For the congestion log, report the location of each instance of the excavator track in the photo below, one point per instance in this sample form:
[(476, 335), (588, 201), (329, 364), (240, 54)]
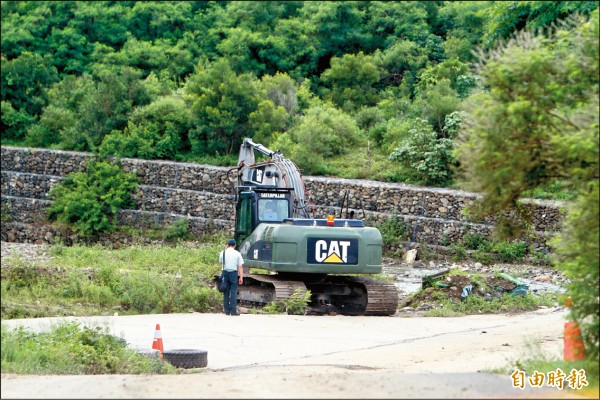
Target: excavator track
[(346, 295), (259, 290)]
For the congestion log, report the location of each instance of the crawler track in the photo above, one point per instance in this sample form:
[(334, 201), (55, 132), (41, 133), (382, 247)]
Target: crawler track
[(347, 295)]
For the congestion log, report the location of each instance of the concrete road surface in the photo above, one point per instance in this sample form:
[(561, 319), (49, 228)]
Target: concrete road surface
[(287, 356)]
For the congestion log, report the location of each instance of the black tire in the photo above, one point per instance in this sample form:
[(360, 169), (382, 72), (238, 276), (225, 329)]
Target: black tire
[(186, 358)]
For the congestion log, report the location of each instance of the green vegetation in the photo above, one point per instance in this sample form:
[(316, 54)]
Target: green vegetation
[(536, 125), (477, 305), (71, 349), (93, 280), (398, 84), (295, 305), (487, 251), (5, 215), (88, 201), (393, 230), (178, 230), (384, 80)]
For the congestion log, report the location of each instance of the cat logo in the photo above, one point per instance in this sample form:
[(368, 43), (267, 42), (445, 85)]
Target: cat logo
[(330, 251)]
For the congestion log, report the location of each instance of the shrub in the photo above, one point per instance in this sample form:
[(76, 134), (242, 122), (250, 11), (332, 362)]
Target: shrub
[(393, 230), (426, 155), (178, 230), (459, 252), (483, 257), (6, 215), (88, 201), (510, 251), (99, 295), (294, 305), (475, 241), (71, 349)]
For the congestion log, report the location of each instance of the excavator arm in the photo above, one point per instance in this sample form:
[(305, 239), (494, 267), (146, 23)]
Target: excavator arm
[(276, 172)]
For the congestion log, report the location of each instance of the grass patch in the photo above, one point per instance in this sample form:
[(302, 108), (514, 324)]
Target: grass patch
[(72, 349), (96, 280), (477, 305)]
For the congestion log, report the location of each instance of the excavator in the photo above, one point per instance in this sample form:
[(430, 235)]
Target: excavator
[(277, 233)]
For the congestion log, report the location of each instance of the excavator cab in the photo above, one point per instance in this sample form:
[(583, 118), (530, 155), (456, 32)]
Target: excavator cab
[(257, 205)]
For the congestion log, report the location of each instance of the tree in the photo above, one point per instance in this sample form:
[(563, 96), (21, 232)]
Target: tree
[(101, 21), (152, 20), (538, 123), (336, 27), (117, 92), (455, 71), (25, 80), (508, 17), (351, 79), (268, 120), (282, 91), (390, 22), (221, 102), (158, 130), (462, 24), (70, 51), (426, 157), (402, 62), (322, 133), (435, 102)]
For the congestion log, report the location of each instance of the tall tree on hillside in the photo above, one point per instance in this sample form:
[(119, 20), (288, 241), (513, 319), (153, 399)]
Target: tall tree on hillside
[(221, 102), (24, 81), (351, 81), (507, 17)]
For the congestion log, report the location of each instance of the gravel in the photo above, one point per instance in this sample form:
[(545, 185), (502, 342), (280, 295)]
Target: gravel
[(26, 252)]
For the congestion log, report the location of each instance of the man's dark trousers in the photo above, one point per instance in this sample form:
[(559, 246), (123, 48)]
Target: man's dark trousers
[(230, 295)]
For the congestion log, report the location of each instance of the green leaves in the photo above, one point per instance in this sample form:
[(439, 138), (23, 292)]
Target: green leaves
[(83, 76), (538, 124), (156, 131), (88, 201), (523, 131), (352, 79), (221, 102), (322, 133), (428, 156)]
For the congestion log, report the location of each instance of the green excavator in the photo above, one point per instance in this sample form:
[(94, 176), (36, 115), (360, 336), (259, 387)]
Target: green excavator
[(276, 232)]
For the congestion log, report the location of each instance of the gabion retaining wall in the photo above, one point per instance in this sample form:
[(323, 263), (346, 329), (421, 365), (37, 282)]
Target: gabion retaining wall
[(205, 195), (28, 222)]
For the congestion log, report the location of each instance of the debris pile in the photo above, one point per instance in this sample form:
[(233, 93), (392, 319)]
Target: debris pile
[(458, 287)]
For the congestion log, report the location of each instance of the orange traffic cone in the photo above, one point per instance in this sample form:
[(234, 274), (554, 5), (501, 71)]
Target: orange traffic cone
[(158, 343), (574, 348)]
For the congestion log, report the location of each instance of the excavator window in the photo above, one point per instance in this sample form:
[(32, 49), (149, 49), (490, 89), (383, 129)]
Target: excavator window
[(270, 210), (244, 219)]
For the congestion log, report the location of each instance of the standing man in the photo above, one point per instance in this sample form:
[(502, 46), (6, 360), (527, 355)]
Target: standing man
[(232, 262)]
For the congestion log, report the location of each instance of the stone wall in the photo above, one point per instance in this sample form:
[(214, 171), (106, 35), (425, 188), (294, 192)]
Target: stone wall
[(204, 195)]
